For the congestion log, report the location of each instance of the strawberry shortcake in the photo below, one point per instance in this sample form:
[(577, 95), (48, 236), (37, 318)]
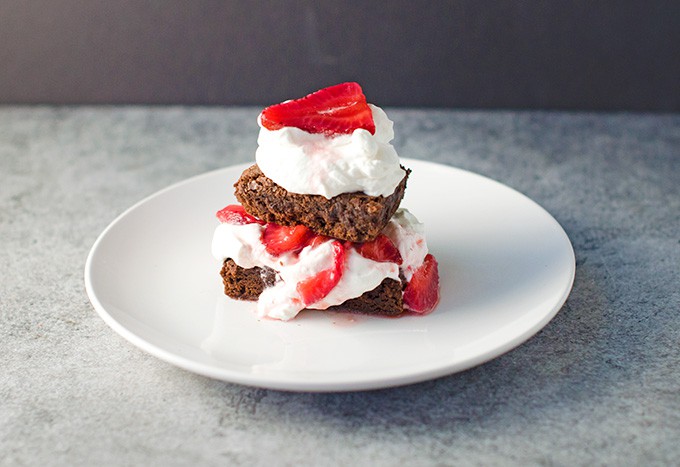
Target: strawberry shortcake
[(319, 224)]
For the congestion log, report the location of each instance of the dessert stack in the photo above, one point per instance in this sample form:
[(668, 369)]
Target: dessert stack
[(319, 224)]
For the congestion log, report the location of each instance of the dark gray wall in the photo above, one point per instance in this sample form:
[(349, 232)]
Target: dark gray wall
[(601, 55)]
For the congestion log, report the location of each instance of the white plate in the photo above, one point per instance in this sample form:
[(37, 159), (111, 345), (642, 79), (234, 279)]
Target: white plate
[(506, 268)]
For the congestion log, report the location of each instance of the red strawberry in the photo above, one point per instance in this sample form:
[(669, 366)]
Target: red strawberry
[(338, 109), (279, 239), (314, 288), (381, 249), (422, 292), (317, 240), (237, 215)]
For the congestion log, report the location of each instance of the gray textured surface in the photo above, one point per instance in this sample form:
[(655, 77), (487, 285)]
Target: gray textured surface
[(599, 385)]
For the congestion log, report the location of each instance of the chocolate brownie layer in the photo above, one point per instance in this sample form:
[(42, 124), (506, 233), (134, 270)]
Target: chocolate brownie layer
[(386, 299), (350, 216), (248, 284), (245, 284)]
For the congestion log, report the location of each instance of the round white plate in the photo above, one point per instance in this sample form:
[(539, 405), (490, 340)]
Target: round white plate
[(506, 268)]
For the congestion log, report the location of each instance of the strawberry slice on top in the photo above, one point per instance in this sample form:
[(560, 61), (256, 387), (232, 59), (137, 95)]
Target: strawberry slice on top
[(334, 110)]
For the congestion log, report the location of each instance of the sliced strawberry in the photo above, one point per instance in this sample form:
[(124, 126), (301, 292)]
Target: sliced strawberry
[(279, 239), (422, 292), (317, 240), (237, 215), (314, 288), (381, 249), (338, 109)]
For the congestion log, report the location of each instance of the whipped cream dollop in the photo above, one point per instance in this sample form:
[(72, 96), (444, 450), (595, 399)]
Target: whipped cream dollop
[(319, 164), (243, 244), (408, 234)]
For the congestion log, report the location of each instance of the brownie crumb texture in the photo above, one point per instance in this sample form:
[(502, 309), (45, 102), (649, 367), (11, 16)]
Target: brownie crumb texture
[(356, 217), (386, 299), (245, 284)]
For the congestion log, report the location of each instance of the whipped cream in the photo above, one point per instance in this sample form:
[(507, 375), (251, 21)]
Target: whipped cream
[(242, 243), (318, 164), (408, 234)]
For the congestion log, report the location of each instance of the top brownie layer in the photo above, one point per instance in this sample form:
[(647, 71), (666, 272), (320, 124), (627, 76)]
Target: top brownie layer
[(356, 217)]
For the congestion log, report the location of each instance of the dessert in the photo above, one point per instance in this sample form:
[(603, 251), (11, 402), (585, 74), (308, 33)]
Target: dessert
[(325, 161), (319, 224)]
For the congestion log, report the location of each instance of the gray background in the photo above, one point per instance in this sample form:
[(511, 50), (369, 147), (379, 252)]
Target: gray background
[(598, 386), (603, 55)]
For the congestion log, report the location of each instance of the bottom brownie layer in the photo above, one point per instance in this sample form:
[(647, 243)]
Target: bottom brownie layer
[(248, 284)]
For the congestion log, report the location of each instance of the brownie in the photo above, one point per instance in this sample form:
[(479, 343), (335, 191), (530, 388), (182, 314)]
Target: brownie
[(248, 284), (245, 284), (356, 217), (386, 299)]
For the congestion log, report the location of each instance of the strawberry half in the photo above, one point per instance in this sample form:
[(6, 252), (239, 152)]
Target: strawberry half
[(381, 249), (338, 109), (279, 239), (235, 214), (314, 288), (422, 292)]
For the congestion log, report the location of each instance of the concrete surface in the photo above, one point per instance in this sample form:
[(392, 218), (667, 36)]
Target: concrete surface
[(599, 385)]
